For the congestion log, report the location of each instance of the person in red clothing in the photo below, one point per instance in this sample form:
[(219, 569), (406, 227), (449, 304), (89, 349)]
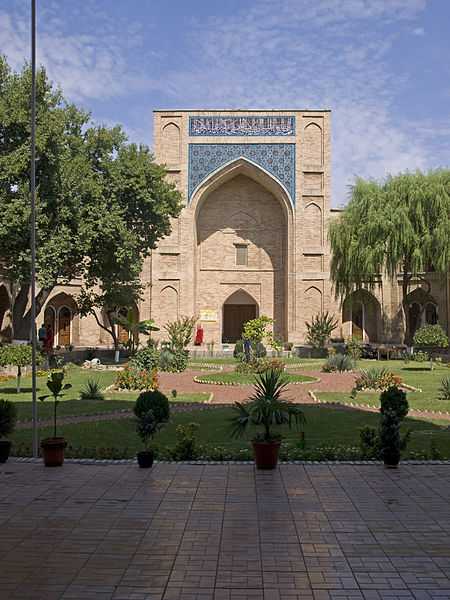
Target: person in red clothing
[(48, 340), (199, 336)]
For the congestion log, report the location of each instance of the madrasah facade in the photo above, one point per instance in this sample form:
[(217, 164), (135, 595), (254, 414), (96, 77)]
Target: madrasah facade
[(251, 239)]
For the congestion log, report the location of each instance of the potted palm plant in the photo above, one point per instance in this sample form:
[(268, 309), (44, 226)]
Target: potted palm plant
[(146, 428), (53, 447), (267, 408), (8, 416)]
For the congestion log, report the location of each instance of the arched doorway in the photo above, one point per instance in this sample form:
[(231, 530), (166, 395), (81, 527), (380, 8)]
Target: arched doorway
[(64, 320), (49, 317), (123, 335), (415, 311), (357, 319), (239, 308)]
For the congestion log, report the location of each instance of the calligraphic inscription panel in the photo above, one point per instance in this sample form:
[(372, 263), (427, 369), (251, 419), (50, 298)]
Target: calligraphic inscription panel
[(277, 159), (241, 126)]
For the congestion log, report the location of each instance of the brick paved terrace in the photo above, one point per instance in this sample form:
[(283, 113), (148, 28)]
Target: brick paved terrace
[(224, 531)]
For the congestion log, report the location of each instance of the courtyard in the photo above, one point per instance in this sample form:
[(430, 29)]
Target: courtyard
[(225, 531)]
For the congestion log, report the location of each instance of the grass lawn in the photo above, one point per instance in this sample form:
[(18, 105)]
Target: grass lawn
[(324, 426), (246, 378), (415, 374)]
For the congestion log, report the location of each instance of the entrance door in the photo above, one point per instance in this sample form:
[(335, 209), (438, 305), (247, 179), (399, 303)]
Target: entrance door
[(357, 321), (234, 317), (64, 326)]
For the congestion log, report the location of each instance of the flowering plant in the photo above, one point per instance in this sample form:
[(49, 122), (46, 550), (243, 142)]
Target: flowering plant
[(260, 365), (135, 379), (376, 380)]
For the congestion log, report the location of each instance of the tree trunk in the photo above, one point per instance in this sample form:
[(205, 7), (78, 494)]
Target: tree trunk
[(21, 317)]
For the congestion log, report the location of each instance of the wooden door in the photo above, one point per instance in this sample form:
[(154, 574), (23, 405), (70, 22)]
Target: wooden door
[(357, 321), (64, 326), (122, 333), (234, 317)]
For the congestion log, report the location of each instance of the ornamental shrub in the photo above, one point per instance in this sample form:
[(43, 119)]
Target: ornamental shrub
[(8, 416), (135, 379), (394, 399), (155, 401), (376, 379), (146, 359), (92, 390), (257, 350), (445, 388), (339, 363)]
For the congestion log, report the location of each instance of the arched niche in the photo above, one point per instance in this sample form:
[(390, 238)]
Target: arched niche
[(313, 302), (171, 144), (313, 145), (169, 304), (61, 312), (312, 229), (237, 309), (362, 311)]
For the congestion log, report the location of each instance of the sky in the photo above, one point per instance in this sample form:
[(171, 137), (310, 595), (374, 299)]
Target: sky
[(381, 66)]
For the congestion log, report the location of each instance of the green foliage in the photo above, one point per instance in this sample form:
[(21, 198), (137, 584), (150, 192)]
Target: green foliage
[(369, 443), (420, 356), (55, 385), (431, 335), (145, 359), (92, 390), (96, 196), (266, 408), (155, 401), (354, 349), (8, 417), (394, 399), (445, 388), (186, 445), (338, 363), (134, 328), (146, 428), (320, 329), (402, 220), (257, 350), (376, 379), (255, 329), (179, 362), (180, 332), (19, 355)]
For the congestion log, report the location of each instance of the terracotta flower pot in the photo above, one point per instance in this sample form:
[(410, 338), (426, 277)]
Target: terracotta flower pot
[(145, 458), (266, 454), (53, 451)]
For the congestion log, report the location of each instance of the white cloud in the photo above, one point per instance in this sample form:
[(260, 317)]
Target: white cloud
[(418, 31)]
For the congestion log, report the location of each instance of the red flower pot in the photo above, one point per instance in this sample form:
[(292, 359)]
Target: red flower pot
[(53, 451), (266, 454)]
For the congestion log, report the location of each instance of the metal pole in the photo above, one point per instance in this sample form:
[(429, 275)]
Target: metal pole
[(33, 221)]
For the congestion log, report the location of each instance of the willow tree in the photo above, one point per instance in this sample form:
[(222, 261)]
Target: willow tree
[(398, 225)]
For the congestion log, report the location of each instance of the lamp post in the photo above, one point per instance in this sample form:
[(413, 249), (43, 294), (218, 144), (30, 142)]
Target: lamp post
[(33, 222)]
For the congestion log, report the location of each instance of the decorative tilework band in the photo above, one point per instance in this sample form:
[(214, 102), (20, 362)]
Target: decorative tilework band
[(242, 126), (277, 159)]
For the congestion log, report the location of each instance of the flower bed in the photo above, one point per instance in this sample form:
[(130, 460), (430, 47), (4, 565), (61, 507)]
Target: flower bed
[(260, 365), (376, 380), (130, 378)]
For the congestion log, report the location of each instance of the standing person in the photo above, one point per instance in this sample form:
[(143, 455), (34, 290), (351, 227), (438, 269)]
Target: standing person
[(42, 332), (247, 349), (48, 340)]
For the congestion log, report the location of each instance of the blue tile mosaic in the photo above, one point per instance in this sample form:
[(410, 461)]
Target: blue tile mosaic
[(242, 125), (277, 159)]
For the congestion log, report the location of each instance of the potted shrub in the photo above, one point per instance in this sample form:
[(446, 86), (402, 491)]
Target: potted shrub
[(393, 409), (266, 408), (152, 410), (146, 428), (8, 414), (53, 447)]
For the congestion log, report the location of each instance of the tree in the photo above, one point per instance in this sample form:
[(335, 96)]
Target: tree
[(18, 355), (400, 224), (101, 204), (134, 328), (432, 336)]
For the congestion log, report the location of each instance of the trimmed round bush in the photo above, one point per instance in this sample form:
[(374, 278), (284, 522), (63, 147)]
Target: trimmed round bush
[(155, 401), (394, 400)]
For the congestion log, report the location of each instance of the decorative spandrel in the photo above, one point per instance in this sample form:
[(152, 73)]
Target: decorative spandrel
[(241, 126), (277, 159)]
